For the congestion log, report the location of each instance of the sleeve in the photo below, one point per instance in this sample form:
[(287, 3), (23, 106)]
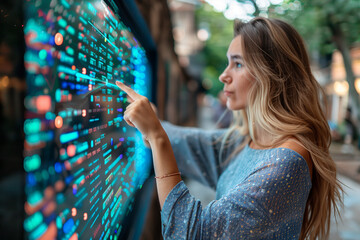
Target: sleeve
[(269, 204), (197, 152)]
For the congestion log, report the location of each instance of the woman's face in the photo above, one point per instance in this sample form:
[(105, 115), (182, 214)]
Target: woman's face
[(236, 77)]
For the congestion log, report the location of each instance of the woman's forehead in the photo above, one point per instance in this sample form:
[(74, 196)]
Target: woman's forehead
[(235, 48)]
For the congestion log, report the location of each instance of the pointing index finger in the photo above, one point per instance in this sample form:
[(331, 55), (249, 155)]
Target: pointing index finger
[(131, 93)]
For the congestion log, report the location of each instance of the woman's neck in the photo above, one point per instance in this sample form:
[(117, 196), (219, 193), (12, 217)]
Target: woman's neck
[(263, 139)]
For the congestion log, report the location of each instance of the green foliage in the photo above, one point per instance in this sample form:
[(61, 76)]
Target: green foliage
[(326, 25), (211, 80), (312, 18), (214, 52)]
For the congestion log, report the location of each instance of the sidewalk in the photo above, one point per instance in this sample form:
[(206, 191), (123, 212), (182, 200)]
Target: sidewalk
[(348, 227), (348, 164)]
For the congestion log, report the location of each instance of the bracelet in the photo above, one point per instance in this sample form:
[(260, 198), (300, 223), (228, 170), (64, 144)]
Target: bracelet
[(169, 175)]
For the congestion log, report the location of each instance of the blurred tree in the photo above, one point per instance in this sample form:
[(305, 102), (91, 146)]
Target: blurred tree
[(257, 10), (327, 25), (214, 52)]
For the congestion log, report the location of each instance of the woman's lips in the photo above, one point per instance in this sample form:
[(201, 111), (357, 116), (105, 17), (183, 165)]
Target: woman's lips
[(227, 93)]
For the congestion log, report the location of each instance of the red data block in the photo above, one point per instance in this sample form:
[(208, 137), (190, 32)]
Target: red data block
[(43, 103)]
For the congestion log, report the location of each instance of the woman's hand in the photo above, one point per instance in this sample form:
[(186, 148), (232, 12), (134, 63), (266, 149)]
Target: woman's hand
[(140, 114)]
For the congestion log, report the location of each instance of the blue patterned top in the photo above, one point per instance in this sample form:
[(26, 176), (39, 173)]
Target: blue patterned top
[(260, 194)]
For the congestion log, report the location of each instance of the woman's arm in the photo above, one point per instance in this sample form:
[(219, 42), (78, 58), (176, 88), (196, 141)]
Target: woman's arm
[(164, 164), (198, 152), (140, 114)]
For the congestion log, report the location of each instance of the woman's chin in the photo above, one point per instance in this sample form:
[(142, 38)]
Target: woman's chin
[(233, 107)]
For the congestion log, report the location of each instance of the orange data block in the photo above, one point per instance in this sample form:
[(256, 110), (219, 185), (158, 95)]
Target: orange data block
[(71, 150), (30, 209), (83, 113), (75, 236), (58, 122), (59, 39), (50, 233), (83, 70), (43, 103), (49, 193), (73, 212), (62, 151), (59, 185), (67, 165)]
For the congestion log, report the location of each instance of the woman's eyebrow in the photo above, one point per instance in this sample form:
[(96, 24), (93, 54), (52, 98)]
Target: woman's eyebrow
[(234, 57)]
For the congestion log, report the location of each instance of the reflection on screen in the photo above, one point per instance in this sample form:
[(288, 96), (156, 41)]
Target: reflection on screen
[(83, 162)]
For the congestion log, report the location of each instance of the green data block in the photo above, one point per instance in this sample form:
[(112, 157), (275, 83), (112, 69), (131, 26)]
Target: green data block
[(42, 54), (62, 22), (32, 163), (33, 221)]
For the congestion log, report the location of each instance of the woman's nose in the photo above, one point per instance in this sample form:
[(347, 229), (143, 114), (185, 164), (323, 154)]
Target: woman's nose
[(224, 77)]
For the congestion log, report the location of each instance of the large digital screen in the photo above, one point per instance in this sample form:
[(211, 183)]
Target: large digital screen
[(83, 163)]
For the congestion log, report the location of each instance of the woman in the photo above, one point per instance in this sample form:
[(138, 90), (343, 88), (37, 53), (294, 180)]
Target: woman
[(272, 171)]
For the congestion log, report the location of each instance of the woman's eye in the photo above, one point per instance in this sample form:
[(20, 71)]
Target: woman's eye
[(238, 65)]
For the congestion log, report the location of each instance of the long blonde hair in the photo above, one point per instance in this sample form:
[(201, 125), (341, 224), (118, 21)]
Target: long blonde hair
[(285, 102)]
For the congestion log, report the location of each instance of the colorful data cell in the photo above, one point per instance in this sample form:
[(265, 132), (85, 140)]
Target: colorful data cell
[(59, 39), (58, 122)]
